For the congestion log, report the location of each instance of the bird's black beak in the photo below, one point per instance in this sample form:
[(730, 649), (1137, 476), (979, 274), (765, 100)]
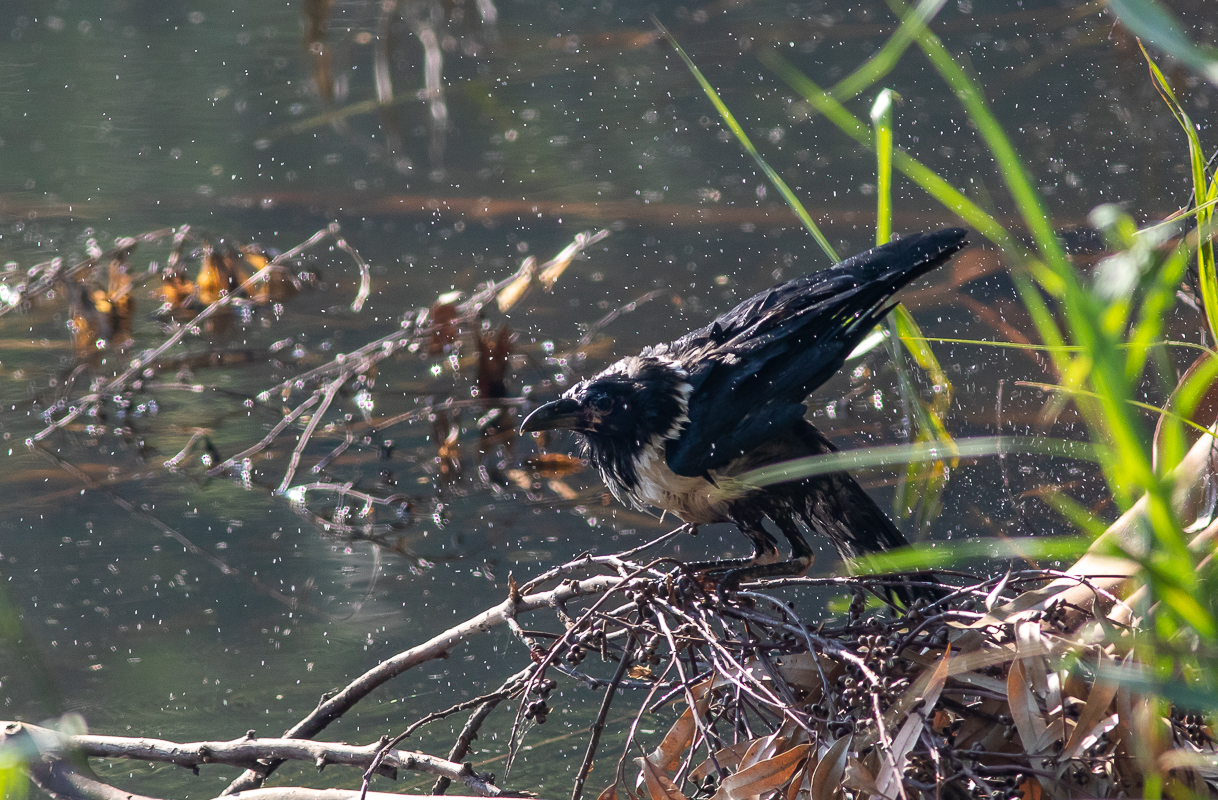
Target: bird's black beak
[(561, 414)]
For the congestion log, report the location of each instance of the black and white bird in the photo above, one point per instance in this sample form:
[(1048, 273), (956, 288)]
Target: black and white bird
[(666, 427)]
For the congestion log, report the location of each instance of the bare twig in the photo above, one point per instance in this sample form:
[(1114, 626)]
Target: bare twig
[(335, 706), (327, 397), (598, 726), (385, 750), (243, 752), (472, 725)]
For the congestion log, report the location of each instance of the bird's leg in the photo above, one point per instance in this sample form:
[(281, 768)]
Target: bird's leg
[(799, 562), (800, 551), (765, 551)]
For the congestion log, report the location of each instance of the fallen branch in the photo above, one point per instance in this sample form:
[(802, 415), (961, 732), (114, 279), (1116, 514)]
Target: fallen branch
[(244, 752), (334, 707)]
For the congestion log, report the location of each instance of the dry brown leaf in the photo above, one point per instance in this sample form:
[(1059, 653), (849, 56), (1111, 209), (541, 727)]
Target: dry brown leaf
[(515, 291), (801, 783), (892, 763), (1029, 643), (553, 465), (727, 757), (805, 670), (1031, 789), (640, 672), (1024, 709), (659, 785), (667, 755), (521, 478), (770, 746), (1074, 686), (912, 696), (858, 777), (609, 793), (220, 273), (1103, 692), (553, 269), (750, 755), (562, 489), (444, 332), (892, 767), (765, 776), (961, 666), (969, 641), (826, 779), (493, 354), (210, 279), (176, 290)]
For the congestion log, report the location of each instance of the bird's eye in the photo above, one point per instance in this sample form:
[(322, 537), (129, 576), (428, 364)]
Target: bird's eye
[(602, 403)]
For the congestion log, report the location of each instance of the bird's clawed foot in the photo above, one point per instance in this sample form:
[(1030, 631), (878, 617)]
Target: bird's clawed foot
[(792, 567), (727, 575)]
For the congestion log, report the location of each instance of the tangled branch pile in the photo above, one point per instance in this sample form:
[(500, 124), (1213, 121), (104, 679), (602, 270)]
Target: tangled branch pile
[(966, 697)]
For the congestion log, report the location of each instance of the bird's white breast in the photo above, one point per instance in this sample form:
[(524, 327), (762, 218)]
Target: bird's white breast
[(694, 500)]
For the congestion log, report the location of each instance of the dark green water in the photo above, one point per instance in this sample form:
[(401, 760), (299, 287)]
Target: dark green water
[(123, 117)]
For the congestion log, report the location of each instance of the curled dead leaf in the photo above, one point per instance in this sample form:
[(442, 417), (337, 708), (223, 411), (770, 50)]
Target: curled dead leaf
[(727, 758), (515, 291), (764, 776), (1024, 709), (680, 736), (659, 785), (553, 269), (1103, 692)]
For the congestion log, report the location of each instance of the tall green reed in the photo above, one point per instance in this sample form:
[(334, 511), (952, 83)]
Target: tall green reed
[(1101, 331)]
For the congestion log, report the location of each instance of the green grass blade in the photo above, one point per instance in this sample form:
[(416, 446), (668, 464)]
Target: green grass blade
[(1152, 22), (886, 455), (1074, 512), (1204, 192), (885, 59), (926, 178), (728, 119), (1019, 183), (923, 484), (1178, 411), (937, 555), (1081, 308), (881, 120), (1044, 348)]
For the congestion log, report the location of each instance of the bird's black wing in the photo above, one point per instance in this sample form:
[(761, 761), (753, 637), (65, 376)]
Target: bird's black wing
[(751, 369)]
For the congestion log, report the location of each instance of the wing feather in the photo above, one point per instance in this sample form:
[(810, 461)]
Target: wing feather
[(752, 367)]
